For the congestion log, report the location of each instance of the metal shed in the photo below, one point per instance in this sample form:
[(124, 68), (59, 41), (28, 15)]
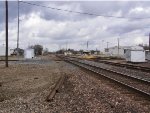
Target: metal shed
[(29, 53), (135, 54)]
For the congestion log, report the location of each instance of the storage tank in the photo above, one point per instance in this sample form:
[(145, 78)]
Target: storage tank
[(29, 54)]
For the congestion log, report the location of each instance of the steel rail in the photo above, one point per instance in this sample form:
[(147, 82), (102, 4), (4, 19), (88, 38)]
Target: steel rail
[(120, 82), (129, 66), (112, 71)]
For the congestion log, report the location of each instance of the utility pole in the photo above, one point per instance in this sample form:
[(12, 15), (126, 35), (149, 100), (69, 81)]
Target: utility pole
[(66, 45), (118, 46), (107, 45), (18, 30), (6, 55), (102, 44), (87, 44), (149, 42)]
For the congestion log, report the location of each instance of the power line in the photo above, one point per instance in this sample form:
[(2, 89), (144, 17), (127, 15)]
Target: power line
[(84, 13)]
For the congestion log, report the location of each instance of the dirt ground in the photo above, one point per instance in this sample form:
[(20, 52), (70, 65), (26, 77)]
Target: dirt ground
[(26, 80), (25, 85)]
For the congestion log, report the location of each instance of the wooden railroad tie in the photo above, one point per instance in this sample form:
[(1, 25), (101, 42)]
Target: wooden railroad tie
[(55, 89)]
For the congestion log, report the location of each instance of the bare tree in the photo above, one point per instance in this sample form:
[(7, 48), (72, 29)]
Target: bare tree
[(37, 49)]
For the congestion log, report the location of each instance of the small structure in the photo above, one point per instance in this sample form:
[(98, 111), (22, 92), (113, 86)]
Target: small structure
[(12, 52), (67, 53), (135, 54), (3, 51), (29, 53), (86, 52)]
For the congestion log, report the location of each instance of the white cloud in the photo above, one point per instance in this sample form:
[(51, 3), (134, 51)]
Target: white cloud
[(52, 33), (139, 12)]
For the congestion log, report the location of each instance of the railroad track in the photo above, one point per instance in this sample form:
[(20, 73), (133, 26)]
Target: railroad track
[(129, 66), (134, 83)]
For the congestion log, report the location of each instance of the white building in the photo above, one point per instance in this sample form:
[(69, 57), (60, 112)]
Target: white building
[(115, 51), (29, 53), (135, 54), (3, 51)]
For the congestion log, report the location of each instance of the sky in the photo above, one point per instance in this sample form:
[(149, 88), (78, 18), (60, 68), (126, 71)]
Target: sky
[(57, 29)]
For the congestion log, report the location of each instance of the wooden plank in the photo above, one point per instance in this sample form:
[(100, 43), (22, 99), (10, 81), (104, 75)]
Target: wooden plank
[(55, 89)]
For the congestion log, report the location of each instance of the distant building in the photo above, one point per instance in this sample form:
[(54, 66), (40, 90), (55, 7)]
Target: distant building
[(115, 51), (67, 53), (86, 52)]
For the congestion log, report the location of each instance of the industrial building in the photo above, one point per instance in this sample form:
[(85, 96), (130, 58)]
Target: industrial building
[(115, 51), (130, 53)]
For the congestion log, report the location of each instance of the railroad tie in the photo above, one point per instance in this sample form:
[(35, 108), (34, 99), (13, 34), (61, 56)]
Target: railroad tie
[(55, 89)]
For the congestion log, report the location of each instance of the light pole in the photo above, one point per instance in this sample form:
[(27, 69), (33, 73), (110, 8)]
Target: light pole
[(118, 46), (87, 45)]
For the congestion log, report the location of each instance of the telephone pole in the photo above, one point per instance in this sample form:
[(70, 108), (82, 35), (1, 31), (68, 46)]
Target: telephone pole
[(18, 30), (107, 44), (66, 46), (6, 16), (118, 46), (87, 44), (149, 42)]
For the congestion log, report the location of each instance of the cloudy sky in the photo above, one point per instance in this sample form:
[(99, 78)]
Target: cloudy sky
[(56, 29)]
